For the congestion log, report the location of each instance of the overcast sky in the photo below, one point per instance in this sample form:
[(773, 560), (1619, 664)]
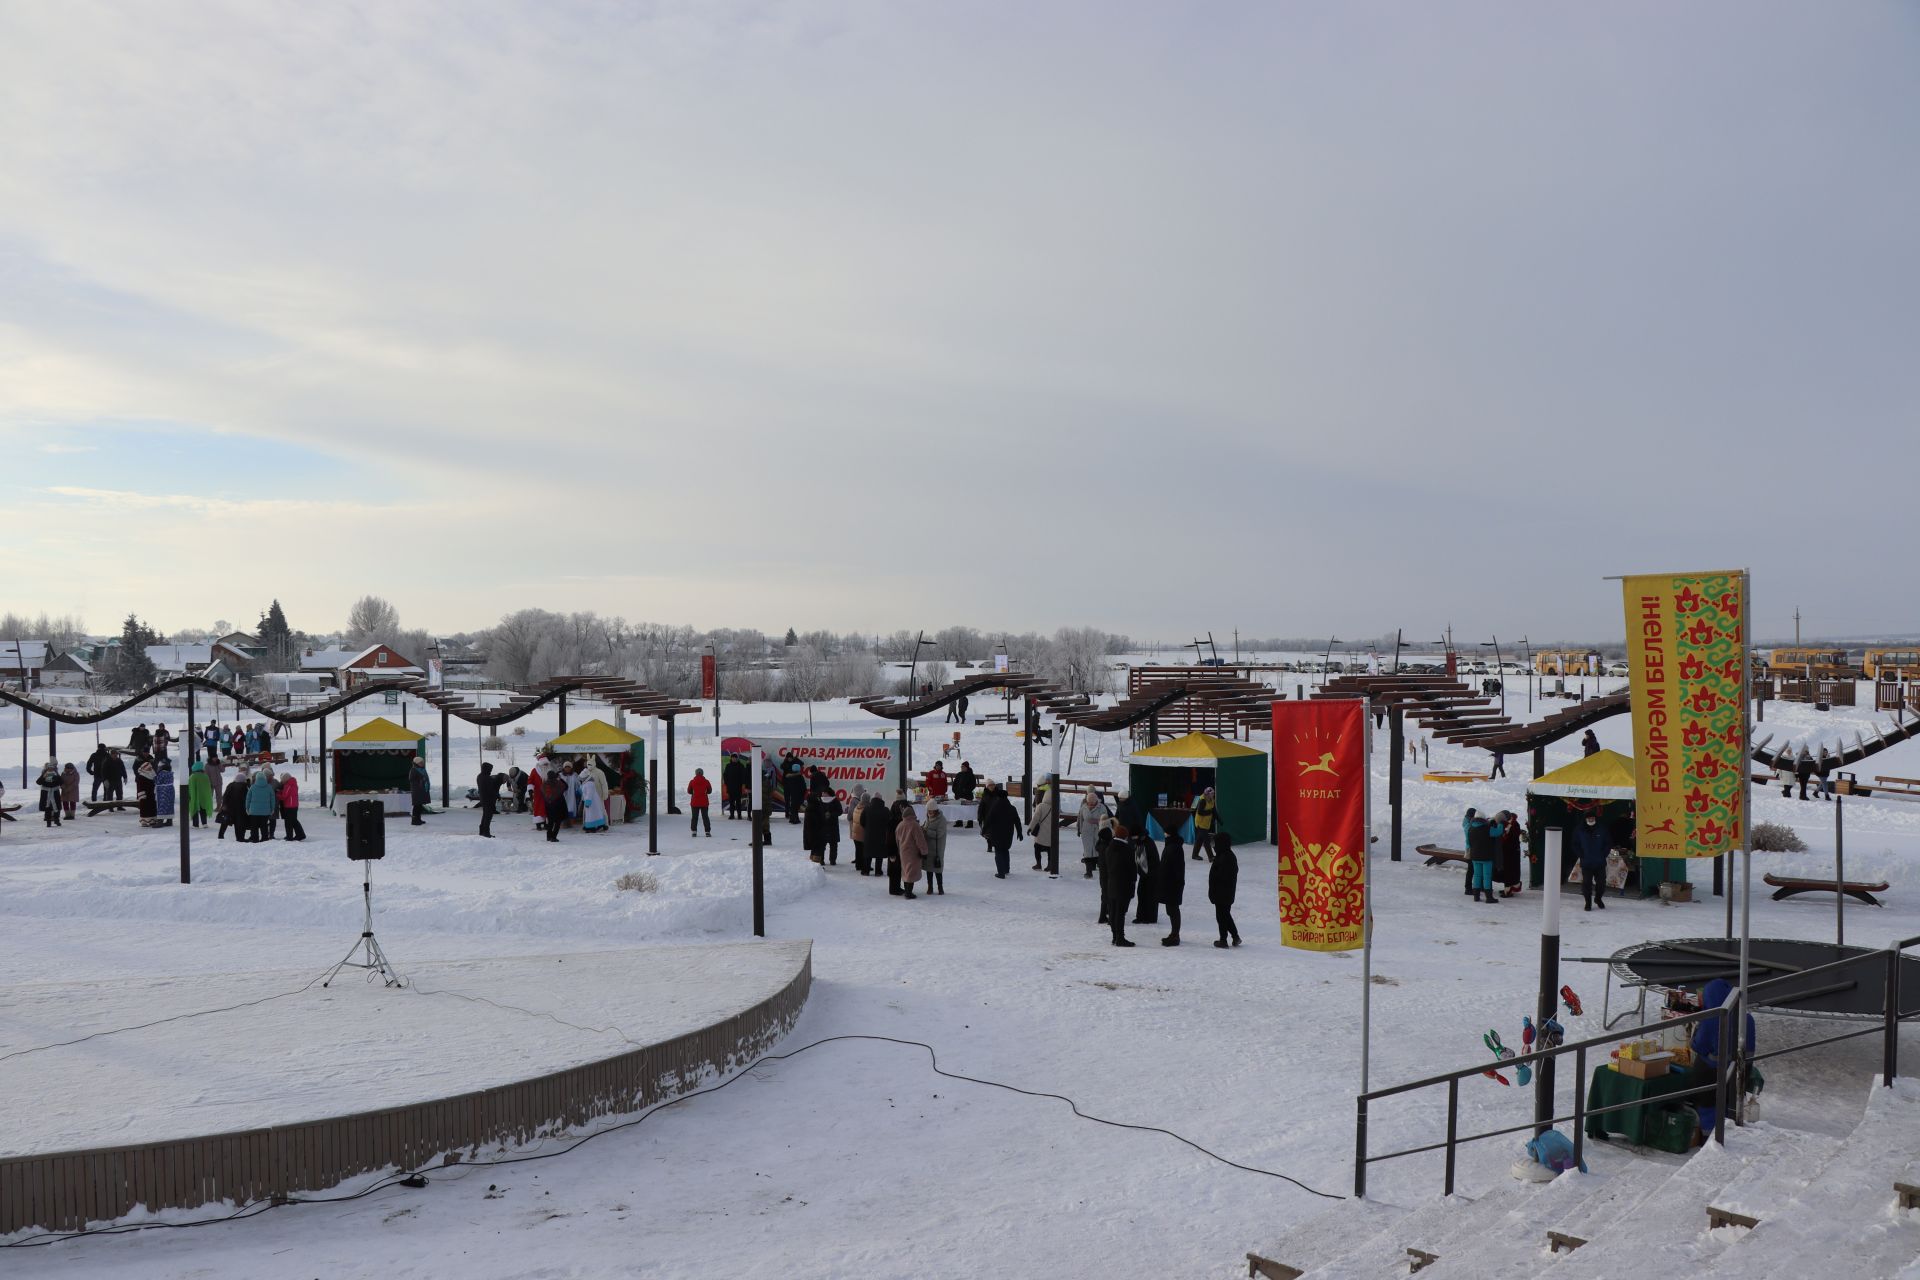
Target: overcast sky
[(1295, 317)]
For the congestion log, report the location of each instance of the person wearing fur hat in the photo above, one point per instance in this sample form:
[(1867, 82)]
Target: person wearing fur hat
[(50, 784), (420, 789)]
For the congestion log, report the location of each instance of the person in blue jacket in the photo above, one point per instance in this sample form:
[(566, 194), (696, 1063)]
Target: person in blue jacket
[(262, 804), (1706, 1049)]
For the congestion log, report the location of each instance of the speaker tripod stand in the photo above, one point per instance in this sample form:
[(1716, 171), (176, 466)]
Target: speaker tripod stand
[(375, 960)]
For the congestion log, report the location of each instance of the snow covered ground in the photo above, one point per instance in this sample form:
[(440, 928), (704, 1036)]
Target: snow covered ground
[(853, 1158)]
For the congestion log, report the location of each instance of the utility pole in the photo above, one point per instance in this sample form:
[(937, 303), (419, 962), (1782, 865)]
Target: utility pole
[(1796, 624)]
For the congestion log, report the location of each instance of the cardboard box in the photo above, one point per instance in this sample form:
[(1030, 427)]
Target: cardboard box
[(1648, 1068), (1676, 891)]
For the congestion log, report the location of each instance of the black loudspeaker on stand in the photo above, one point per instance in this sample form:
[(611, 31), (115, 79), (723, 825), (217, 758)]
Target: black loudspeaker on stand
[(366, 844)]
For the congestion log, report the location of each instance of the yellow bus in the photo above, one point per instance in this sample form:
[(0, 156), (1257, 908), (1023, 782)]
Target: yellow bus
[(1567, 662), (1820, 664), (1892, 664)]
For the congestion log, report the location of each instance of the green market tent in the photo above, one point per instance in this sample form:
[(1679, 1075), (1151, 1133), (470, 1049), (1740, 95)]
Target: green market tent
[(1182, 768), (372, 761), (1603, 784)]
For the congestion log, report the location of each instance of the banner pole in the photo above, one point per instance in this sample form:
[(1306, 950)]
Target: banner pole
[(1746, 837), (1366, 899), (1548, 999)]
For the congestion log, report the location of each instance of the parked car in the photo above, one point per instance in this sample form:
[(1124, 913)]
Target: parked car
[(1619, 669)]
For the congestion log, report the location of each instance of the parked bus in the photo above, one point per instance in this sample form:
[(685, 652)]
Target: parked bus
[(1820, 664), (1567, 662), (1892, 664)]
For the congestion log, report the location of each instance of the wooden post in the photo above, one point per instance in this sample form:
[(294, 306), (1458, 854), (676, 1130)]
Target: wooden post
[(653, 807), (26, 719), (1026, 777), (186, 858), (53, 738), (193, 737), (672, 791), (446, 777), (563, 713), (323, 762), (1397, 747)]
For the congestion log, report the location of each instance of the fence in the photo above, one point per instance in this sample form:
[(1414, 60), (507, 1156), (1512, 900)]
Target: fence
[(1888, 1027), (64, 1191)]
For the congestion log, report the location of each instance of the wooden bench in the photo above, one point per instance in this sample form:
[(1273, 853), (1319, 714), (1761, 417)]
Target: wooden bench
[(1896, 786), (1787, 886), (1437, 856), (7, 811), (1907, 1186), (94, 807)]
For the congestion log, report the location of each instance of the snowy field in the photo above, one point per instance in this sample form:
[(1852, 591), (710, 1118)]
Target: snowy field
[(853, 1159)]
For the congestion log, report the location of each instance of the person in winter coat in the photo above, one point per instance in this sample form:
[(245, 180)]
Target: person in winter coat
[(114, 769), (736, 786), (1592, 842), (1040, 828), (162, 742), (698, 792), (69, 790), (537, 779), (1129, 819), (164, 795), (1091, 820), (1823, 768), (1589, 743), (911, 839), (488, 783), (1473, 815), (1223, 881), (593, 811), (49, 784), (143, 789), (1803, 771), (937, 782), (875, 825), (1172, 885), (793, 786), (936, 828), (1000, 824), (1707, 1048), (210, 741), (555, 789), (419, 789), (1117, 875), (857, 828), (964, 783), (140, 740), (233, 810), (1481, 836), (1206, 814), (1506, 860), (1146, 856), (813, 828), (834, 811), (287, 794), (96, 769), (199, 794), (517, 789), (262, 803), (894, 811), (216, 779)]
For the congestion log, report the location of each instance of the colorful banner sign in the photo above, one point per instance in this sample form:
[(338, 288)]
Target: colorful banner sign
[(709, 677), (1686, 645), (1320, 792), (873, 764)]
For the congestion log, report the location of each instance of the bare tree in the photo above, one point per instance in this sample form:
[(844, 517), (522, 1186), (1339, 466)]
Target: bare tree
[(371, 621)]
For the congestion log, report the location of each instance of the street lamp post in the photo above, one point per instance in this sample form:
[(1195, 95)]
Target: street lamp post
[(1327, 659), (1500, 676), (1528, 650)]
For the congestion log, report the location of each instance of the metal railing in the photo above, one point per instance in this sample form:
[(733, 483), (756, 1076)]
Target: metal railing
[(1731, 1066)]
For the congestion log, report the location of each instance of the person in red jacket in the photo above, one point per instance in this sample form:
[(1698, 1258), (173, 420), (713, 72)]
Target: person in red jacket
[(937, 782), (697, 792)]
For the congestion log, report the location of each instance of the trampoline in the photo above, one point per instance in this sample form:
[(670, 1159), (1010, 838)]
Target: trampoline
[(1854, 992)]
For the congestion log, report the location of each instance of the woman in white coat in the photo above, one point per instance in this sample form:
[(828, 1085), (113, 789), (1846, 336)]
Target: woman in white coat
[(1092, 816)]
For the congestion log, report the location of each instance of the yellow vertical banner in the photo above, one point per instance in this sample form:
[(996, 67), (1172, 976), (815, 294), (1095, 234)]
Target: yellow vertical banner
[(1686, 646)]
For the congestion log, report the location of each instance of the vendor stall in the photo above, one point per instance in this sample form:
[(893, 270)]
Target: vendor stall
[(622, 756), (370, 762), (1167, 779), (1601, 784)]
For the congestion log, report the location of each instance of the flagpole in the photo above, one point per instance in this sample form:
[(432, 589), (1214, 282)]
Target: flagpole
[(1746, 830), (1366, 897)]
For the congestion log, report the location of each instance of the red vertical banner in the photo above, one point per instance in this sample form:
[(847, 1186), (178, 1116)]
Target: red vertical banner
[(1320, 795), (709, 679)]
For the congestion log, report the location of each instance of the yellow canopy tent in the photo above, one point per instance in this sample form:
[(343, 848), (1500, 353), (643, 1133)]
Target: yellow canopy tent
[(1602, 784), (1604, 775), (372, 760), (598, 738), (1183, 767)]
